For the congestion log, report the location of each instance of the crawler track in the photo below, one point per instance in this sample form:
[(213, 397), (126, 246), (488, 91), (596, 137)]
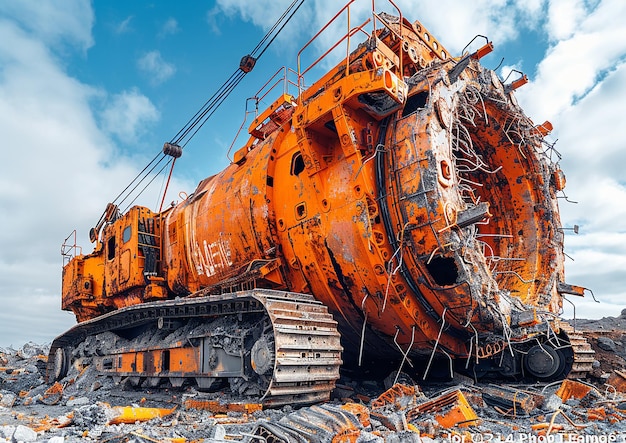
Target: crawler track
[(282, 346)]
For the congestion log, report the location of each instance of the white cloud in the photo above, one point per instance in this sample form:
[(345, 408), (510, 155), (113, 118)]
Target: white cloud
[(170, 27), (54, 21), (454, 22), (157, 69), (564, 16), (58, 171), (46, 175), (510, 73), (128, 115), (261, 13), (593, 147), (581, 88), (124, 26), (310, 16), (212, 20), (574, 65)]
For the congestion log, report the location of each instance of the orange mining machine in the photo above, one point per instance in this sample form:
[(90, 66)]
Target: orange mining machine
[(402, 208)]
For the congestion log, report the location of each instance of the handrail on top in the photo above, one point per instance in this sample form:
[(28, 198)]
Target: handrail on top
[(351, 31)]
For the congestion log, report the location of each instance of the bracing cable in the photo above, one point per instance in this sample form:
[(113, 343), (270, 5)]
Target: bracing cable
[(198, 115), (214, 103), (150, 182), (190, 129), (222, 93)]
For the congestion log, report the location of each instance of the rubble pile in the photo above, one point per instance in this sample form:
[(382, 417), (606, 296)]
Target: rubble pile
[(86, 406)]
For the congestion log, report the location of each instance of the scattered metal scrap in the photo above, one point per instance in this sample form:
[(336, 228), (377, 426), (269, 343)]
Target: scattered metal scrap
[(450, 409), (86, 406), (617, 381), (218, 407), (512, 401), (314, 424)]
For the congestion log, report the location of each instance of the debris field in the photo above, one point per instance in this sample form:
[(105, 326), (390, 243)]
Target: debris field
[(86, 406)]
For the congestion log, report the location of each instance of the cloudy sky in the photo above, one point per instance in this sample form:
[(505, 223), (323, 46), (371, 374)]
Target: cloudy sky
[(90, 91)]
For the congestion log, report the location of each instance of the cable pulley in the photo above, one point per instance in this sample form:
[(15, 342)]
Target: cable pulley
[(172, 150)]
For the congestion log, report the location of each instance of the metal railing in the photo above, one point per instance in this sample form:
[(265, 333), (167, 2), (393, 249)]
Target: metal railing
[(280, 77), (351, 31), (69, 251)]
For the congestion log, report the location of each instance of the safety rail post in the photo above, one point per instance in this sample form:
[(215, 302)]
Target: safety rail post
[(69, 251), (300, 72), (400, 36), (350, 32), (284, 79), (281, 76)]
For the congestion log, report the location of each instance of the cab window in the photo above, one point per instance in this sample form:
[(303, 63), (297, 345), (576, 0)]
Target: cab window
[(111, 248), (126, 234)]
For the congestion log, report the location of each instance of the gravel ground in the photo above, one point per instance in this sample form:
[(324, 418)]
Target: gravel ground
[(87, 407)]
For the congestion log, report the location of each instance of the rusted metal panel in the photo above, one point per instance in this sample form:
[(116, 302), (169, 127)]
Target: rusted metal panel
[(451, 409), (617, 381), (184, 360), (511, 400), (573, 389), (394, 395), (217, 407)]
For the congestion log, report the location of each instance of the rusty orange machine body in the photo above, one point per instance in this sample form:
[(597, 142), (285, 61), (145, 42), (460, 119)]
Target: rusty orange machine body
[(405, 190)]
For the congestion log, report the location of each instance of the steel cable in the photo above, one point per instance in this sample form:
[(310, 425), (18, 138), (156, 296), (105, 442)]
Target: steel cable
[(193, 125)]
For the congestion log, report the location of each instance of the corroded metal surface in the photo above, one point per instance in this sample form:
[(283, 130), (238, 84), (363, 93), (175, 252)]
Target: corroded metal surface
[(405, 190)]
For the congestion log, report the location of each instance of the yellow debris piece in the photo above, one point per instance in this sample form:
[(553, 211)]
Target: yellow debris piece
[(130, 414)]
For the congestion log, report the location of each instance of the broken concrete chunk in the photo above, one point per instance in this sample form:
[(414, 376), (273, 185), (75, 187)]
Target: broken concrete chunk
[(79, 401), (7, 432), (7, 399), (53, 394), (368, 437), (552, 403), (30, 350), (24, 433), (596, 364), (402, 437)]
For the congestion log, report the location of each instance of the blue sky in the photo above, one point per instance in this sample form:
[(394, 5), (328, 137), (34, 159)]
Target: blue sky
[(89, 91)]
